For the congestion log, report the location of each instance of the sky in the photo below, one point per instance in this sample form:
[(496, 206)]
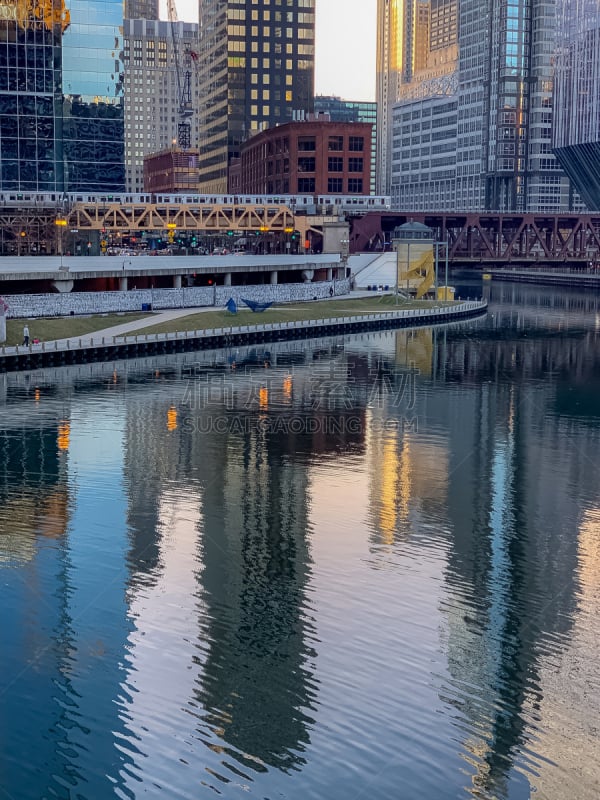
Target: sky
[(345, 57)]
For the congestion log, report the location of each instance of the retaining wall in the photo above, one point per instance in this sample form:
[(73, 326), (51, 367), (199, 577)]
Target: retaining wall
[(63, 305)]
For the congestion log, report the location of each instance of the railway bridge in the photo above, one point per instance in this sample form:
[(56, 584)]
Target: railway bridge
[(492, 239)]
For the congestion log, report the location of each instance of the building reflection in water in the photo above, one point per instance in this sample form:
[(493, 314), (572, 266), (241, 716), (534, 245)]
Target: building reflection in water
[(202, 533)]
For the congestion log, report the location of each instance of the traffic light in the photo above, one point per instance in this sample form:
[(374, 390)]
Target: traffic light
[(229, 233)]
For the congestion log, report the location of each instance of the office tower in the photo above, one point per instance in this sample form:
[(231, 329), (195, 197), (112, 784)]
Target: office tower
[(352, 111), (30, 99), (61, 89), (472, 131), (577, 100), (152, 91), (92, 76), (256, 70), (141, 9)]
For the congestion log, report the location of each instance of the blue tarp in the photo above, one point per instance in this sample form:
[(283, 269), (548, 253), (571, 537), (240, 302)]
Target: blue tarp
[(256, 307), (231, 306)]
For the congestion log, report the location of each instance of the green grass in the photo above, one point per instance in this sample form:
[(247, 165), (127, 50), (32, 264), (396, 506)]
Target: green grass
[(63, 327), (288, 313)]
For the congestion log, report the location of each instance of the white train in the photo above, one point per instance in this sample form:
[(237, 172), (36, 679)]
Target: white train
[(300, 203)]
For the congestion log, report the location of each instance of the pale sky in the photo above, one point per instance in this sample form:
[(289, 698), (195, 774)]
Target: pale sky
[(345, 59)]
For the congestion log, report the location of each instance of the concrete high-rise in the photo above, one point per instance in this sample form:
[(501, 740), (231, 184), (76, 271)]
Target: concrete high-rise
[(152, 90), (256, 70), (141, 9), (416, 49), (472, 129)]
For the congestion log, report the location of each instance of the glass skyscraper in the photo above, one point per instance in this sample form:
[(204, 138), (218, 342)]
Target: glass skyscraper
[(61, 95), (30, 94), (93, 105)]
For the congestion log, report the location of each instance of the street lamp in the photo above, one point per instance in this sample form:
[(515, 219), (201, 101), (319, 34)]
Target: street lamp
[(61, 224)]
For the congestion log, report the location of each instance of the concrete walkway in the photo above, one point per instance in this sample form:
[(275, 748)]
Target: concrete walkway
[(169, 315)]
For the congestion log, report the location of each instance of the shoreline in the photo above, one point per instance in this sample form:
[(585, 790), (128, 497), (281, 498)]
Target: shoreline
[(14, 359)]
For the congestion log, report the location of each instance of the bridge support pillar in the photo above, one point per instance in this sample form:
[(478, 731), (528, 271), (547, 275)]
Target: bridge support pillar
[(329, 273), (123, 284), (273, 278), (177, 281), (227, 279), (63, 286)]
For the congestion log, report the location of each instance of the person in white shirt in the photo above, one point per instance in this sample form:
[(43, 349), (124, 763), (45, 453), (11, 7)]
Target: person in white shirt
[(26, 335)]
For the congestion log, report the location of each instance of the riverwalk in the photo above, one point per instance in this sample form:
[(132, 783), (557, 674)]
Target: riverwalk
[(102, 347)]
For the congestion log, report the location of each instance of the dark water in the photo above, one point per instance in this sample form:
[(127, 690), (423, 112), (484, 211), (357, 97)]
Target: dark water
[(365, 567)]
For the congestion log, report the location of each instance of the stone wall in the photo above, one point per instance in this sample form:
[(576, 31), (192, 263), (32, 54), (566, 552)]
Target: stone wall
[(63, 305)]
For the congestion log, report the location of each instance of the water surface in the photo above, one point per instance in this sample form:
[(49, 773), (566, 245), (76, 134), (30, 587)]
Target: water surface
[(355, 567)]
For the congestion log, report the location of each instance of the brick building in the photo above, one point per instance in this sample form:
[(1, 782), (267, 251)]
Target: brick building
[(171, 171), (313, 157)]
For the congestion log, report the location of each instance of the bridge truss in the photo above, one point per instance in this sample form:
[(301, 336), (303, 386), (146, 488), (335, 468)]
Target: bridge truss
[(31, 229), (520, 239)]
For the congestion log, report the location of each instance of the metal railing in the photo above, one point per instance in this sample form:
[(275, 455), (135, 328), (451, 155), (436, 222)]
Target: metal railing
[(91, 342)]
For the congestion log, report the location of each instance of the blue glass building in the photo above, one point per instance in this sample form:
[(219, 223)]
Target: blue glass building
[(61, 95), (93, 103)]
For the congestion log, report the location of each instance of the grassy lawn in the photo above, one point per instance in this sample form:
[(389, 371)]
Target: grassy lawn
[(63, 327), (288, 313)]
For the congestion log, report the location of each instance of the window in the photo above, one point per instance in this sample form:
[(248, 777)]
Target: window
[(336, 142), (335, 164), (334, 185), (306, 164), (307, 143), (306, 185), (356, 144), (355, 165), (355, 185)]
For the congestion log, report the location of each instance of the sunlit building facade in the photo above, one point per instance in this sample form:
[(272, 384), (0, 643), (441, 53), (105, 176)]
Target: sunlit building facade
[(491, 149), (141, 9), (256, 70)]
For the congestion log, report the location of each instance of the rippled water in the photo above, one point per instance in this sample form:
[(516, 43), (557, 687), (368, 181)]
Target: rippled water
[(361, 567)]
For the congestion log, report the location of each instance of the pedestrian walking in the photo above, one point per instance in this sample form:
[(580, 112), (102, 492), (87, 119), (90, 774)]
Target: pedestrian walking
[(26, 335)]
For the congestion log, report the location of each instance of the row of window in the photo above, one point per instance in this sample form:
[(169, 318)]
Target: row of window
[(334, 185), (334, 164), (356, 144)]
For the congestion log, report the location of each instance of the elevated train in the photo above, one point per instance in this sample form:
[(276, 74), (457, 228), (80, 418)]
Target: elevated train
[(307, 204)]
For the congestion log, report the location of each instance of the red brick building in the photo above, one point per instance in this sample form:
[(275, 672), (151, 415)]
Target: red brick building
[(314, 157), (171, 171)]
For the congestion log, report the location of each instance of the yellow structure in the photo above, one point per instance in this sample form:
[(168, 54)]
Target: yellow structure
[(36, 13), (445, 293), (421, 270)]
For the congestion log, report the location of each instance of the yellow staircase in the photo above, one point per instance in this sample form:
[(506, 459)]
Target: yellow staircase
[(422, 270)]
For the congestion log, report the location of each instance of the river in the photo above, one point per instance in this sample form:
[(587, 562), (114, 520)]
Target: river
[(357, 567)]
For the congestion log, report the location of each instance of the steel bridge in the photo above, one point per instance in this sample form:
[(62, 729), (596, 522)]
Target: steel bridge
[(31, 229), (492, 239)]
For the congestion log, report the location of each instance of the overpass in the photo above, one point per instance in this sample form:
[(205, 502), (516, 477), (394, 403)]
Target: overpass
[(491, 238)]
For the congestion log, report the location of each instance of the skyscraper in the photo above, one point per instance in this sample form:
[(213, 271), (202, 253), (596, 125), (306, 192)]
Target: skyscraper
[(30, 97), (577, 100), (93, 107), (416, 48), (61, 95), (152, 91), (472, 130), (141, 9), (256, 70)]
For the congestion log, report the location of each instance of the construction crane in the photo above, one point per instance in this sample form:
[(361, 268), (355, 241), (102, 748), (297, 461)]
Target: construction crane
[(184, 85)]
